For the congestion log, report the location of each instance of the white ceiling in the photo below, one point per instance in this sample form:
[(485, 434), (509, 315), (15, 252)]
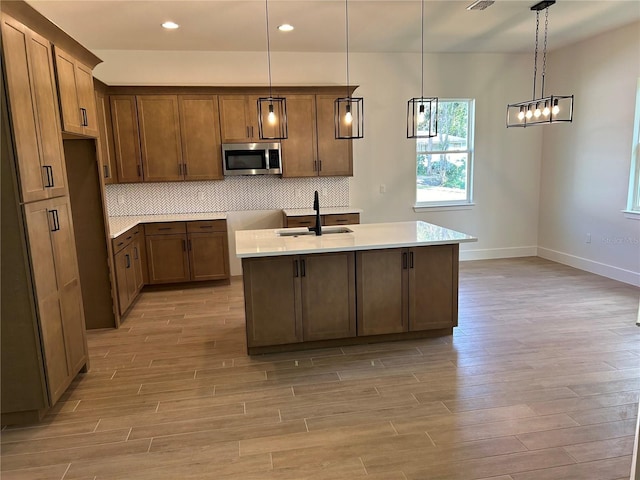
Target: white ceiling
[(374, 25)]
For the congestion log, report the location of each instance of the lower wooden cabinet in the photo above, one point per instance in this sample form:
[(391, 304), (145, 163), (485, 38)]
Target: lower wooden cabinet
[(128, 261), (187, 251), (291, 299), (407, 289)]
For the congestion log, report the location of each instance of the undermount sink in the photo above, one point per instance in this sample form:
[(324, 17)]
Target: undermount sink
[(325, 231)]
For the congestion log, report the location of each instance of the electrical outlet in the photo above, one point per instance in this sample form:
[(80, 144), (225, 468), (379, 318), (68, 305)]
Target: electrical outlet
[(383, 188), (120, 199), (588, 238)]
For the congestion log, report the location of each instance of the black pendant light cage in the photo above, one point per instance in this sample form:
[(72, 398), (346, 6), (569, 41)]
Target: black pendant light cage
[(542, 110), (348, 111), (272, 111), (422, 113), (422, 117)]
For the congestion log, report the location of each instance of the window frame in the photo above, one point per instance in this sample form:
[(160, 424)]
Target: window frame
[(633, 199), (469, 151)]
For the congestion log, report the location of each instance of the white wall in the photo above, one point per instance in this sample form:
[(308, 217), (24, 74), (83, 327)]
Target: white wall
[(585, 165), (507, 162)]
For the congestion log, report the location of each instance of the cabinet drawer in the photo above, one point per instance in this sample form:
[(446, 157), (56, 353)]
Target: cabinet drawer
[(302, 221), (124, 239), (342, 219), (164, 228), (205, 226)]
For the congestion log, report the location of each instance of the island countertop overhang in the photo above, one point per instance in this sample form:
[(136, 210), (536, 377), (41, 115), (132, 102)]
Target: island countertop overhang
[(369, 236)]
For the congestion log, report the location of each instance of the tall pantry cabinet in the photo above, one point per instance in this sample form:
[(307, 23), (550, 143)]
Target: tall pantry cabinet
[(43, 321)]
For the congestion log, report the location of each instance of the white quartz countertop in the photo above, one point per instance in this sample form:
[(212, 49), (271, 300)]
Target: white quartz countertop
[(119, 225), (369, 236), (299, 212)]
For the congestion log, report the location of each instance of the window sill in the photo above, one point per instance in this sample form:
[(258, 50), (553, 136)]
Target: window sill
[(632, 214), (443, 207)]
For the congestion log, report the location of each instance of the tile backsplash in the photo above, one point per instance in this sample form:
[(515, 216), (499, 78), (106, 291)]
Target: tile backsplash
[(231, 194)]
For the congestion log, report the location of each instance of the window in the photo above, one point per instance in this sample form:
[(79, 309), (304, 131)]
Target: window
[(444, 164), (633, 204)]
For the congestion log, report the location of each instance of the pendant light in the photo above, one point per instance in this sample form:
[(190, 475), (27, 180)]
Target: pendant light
[(422, 113), (272, 111), (348, 111), (544, 109)]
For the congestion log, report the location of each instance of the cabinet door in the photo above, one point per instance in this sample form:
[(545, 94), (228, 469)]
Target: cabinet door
[(272, 300), (328, 296), (382, 286), (299, 150), (200, 132), (66, 260), (106, 156), (238, 118), (167, 258), (122, 261), (126, 138), (433, 287), (34, 112), (208, 256), (301, 221), (341, 219), (160, 140), (40, 221), (72, 117), (137, 260), (86, 100), (335, 157)]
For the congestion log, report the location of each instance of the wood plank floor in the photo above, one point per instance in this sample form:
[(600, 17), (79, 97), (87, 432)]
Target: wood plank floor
[(540, 381)]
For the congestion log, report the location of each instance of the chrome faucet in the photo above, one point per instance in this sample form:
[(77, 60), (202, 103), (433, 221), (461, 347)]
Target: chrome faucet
[(316, 206)]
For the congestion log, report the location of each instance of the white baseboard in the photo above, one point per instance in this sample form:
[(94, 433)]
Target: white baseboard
[(492, 253), (609, 271)]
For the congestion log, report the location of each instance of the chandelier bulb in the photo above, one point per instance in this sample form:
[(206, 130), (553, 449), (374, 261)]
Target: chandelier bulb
[(271, 118), (556, 109), (537, 111), (529, 113), (348, 118)]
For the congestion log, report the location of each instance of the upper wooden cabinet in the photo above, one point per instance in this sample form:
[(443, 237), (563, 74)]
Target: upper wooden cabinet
[(200, 132), (311, 148), (126, 138), (106, 156), (77, 97), (33, 104), (166, 137), (160, 140), (239, 118)]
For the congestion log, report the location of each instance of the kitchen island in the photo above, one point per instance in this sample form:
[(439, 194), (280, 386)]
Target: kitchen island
[(353, 284)]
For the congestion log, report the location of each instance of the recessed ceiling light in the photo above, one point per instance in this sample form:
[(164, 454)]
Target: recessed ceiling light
[(480, 4), (170, 25), (285, 27)]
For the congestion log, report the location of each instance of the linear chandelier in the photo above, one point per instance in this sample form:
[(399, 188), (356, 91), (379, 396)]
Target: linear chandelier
[(541, 110), (348, 111), (422, 113), (272, 111)]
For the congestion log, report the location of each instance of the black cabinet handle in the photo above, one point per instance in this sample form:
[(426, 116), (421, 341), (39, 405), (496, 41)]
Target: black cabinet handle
[(56, 220), (248, 134), (206, 226), (128, 260), (404, 261), (165, 228), (184, 168), (139, 170), (105, 169), (319, 165), (304, 268), (49, 171), (184, 245), (135, 253), (83, 113), (179, 169), (295, 268), (315, 165), (411, 260)]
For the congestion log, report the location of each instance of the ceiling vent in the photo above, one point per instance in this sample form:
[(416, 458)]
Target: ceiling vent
[(480, 4)]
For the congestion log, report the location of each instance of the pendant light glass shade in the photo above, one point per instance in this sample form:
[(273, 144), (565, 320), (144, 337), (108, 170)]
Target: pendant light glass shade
[(272, 111), (541, 110), (348, 111), (422, 113)]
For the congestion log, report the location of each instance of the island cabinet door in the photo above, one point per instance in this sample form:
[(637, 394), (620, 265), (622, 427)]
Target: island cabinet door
[(272, 300), (328, 296), (382, 277), (433, 287)]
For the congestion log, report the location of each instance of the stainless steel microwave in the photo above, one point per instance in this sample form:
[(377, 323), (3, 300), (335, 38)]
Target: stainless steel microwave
[(251, 159)]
